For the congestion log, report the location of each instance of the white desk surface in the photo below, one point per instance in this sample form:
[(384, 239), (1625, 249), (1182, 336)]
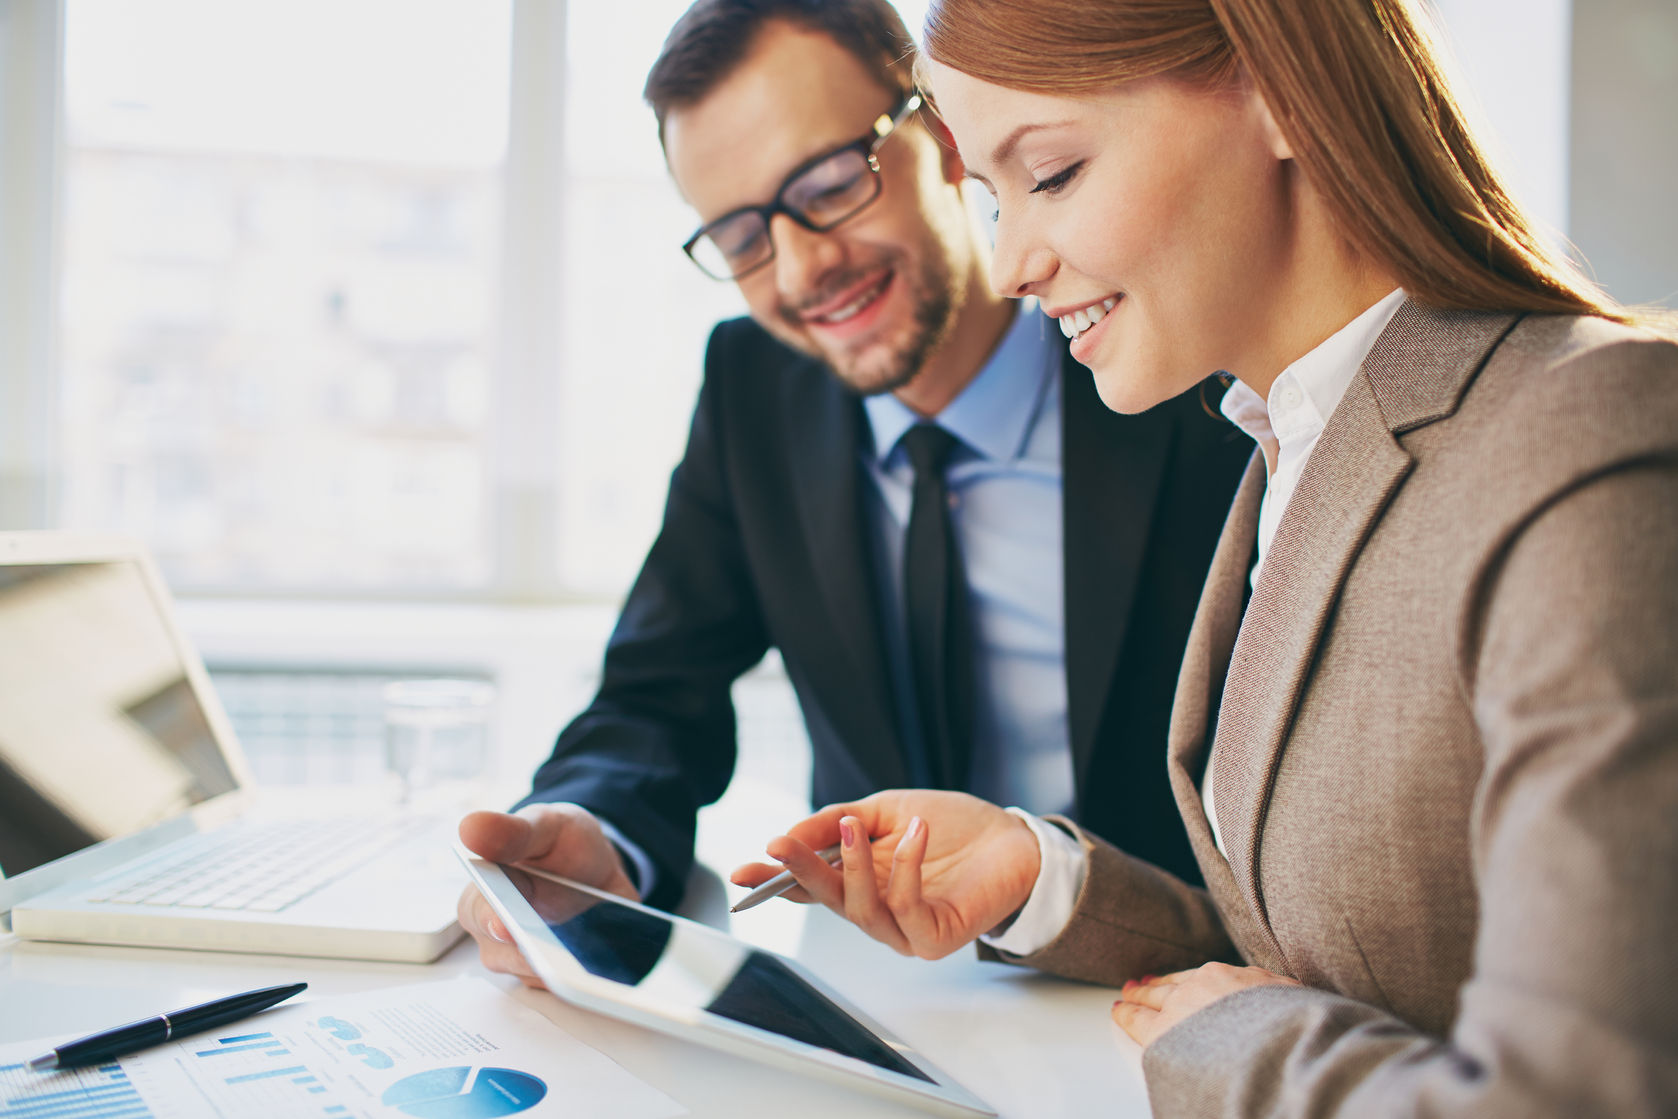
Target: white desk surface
[(1027, 1044)]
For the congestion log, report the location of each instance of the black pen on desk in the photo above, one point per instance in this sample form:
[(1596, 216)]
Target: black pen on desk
[(778, 885), (102, 1046)]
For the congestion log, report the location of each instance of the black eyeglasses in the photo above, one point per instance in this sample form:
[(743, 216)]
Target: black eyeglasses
[(819, 194)]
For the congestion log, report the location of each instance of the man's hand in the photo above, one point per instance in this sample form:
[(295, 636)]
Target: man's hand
[(925, 872), (1149, 1007), (563, 838)]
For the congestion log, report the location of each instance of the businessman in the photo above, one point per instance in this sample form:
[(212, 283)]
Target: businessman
[(894, 477)]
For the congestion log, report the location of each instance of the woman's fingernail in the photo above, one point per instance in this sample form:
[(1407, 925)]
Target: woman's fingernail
[(1128, 984), (1149, 978), (778, 859), (847, 834), (914, 828)]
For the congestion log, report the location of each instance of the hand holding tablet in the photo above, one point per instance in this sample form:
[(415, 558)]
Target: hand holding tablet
[(565, 839)]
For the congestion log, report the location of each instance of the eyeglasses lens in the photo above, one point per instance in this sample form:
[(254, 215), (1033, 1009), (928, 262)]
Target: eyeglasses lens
[(824, 195)]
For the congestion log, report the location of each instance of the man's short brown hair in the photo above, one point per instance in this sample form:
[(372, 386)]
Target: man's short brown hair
[(713, 36)]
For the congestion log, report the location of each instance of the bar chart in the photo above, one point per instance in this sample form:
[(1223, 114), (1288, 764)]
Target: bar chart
[(455, 1049), (259, 1074), (103, 1092)]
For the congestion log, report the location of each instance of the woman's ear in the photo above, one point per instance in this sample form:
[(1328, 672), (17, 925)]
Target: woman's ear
[(955, 171), (1273, 137), (1260, 108)]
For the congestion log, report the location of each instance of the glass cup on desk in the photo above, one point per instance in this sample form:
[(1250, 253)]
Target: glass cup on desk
[(436, 731)]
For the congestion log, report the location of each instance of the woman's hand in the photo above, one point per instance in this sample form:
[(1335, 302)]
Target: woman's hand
[(925, 872), (1149, 1007)]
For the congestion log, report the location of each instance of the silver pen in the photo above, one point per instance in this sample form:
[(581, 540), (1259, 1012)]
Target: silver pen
[(778, 885)]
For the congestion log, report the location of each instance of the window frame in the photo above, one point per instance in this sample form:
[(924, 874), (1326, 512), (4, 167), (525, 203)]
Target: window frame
[(31, 117)]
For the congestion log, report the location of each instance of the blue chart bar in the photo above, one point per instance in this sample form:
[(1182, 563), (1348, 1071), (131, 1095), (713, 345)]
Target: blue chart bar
[(265, 1078), (100, 1093), (267, 1074), (271, 1046)]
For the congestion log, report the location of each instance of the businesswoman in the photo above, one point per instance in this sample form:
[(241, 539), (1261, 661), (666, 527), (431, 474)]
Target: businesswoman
[(1425, 739)]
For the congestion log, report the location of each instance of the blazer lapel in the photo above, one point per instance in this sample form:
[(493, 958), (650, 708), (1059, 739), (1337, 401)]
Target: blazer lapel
[(1415, 373), (824, 460), (1111, 468), (1206, 658), (1355, 469)]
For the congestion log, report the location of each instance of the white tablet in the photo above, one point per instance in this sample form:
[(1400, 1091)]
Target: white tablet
[(625, 960)]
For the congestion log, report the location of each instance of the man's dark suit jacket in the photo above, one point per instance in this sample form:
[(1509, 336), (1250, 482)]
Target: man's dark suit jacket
[(764, 543)]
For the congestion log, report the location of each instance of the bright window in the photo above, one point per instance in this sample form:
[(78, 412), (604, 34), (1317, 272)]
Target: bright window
[(279, 264)]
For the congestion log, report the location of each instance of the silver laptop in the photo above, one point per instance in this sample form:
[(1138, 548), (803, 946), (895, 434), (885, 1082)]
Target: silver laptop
[(127, 814)]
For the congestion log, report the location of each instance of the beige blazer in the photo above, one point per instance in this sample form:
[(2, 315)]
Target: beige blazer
[(1447, 730)]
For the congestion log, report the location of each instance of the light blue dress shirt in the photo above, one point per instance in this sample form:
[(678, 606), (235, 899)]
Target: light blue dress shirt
[(1004, 482)]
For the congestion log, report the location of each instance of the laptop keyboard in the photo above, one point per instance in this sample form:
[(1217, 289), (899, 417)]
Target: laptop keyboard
[(258, 867)]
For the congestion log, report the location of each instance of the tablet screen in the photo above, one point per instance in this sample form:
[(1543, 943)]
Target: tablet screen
[(678, 963)]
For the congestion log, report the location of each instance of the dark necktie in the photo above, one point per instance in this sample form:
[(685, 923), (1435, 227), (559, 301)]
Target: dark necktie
[(940, 632)]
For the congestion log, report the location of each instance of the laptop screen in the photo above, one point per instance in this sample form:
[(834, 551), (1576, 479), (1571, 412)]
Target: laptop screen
[(101, 731)]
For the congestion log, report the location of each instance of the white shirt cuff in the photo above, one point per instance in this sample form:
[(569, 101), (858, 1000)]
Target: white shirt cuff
[(1053, 896), (644, 872)]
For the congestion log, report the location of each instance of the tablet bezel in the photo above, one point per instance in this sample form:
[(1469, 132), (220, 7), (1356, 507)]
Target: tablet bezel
[(569, 980)]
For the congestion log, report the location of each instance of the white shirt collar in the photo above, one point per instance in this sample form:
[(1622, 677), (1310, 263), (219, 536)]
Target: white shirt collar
[(1288, 424), (1307, 392)]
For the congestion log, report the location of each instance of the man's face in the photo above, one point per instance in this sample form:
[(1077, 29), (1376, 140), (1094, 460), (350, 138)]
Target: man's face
[(874, 297)]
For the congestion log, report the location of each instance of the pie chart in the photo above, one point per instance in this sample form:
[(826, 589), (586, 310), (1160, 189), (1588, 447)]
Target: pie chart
[(465, 1093)]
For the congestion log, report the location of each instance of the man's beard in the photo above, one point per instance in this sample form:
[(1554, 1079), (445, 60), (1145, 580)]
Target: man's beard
[(893, 362)]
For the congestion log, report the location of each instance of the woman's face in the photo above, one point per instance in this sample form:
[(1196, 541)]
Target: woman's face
[(1168, 214)]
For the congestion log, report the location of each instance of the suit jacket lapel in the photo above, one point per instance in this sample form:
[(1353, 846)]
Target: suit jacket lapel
[(824, 458), (1111, 468), (1355, 469), (1206, 659), (1415, 373)]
